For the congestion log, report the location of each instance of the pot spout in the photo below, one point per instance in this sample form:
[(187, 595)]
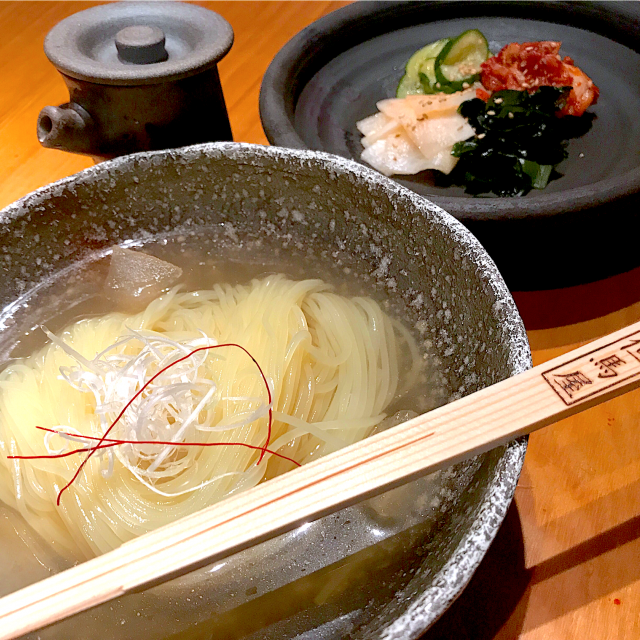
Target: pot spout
[(67, 127)]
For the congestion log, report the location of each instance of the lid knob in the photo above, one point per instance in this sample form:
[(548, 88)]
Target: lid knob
[(141, 44)]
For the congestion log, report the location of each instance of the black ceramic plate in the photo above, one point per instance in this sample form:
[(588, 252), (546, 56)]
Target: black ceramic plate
[(347, 89), (332, 74)]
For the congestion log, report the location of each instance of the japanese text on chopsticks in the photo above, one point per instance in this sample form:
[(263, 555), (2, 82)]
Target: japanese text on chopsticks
[(597, 370)]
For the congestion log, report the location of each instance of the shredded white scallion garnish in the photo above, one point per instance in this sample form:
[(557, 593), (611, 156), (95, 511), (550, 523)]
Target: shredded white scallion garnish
[(174, 407)]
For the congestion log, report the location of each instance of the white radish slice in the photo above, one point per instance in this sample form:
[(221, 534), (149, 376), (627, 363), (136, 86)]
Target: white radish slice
[(441, 101), (375, 127), (443, 161), (406, 110), (396, 154), (372, 123), (391, 128), (431, 136), (415, 133)]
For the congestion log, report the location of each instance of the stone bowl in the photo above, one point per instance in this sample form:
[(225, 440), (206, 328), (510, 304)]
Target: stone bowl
[(389, 567)]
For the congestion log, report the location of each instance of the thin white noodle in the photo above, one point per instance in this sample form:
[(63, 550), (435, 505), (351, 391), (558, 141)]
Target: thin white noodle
[(332, 365)]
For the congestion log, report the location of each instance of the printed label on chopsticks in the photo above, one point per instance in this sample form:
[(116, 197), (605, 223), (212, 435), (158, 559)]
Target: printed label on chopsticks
[(596, 371)]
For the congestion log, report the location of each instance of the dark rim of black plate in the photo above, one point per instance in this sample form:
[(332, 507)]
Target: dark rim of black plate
[(307, 52)]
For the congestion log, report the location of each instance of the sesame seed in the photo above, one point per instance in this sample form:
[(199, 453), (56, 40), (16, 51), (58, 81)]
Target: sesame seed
[(510, 115), (491, 112), (482, 135), (498, 101), (581, 155)]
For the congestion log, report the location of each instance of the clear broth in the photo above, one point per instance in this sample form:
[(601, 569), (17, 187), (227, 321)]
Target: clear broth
[(78, 293)]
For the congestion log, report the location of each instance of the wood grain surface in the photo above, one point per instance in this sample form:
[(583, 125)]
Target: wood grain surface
[(566, 564)]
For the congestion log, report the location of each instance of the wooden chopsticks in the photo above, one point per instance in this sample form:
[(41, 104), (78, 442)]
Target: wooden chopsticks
[(571, 383)]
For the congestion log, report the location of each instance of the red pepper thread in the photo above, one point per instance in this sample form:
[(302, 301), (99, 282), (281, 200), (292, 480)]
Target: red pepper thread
[(104, 442), (113, 442)]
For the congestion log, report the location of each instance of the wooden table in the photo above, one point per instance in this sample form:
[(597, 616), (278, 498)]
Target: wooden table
[(566, 564)]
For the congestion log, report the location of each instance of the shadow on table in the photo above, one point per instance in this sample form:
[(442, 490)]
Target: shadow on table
[(494, 604), (497, 592), (562, 307)]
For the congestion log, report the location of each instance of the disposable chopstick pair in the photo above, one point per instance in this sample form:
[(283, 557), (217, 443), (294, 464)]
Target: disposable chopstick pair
[(490, 417)]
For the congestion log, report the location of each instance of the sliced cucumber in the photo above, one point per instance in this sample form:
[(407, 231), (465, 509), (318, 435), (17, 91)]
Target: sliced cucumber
[(459, 61), (408, 87), (428, 75), (429, 81), (432, 50)]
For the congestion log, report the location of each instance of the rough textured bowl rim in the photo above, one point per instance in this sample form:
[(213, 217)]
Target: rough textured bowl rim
[(458, 570), (277, 106)]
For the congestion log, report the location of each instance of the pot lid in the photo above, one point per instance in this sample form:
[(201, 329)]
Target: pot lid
[(137, 43)]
